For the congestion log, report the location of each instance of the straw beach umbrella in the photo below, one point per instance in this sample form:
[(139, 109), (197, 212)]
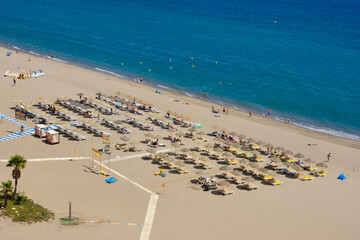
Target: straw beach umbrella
[(175, 145), (224, 183), (208, 146), (180, 163), (234, 134), (198, 141), (225, 168), (248, 179), (236, 173), (299, 155), (279, 148), (125, 139), (322, 165), (288, 152), (260, 143), (215, 127), (269, 145), (99, 94), (309, 160), (251, 140), (151, 151), (185, 150)]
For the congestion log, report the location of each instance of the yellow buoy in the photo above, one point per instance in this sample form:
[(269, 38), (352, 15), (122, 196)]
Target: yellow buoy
[(192, 58), (122, 64), (170, 67), (140, 62), (149, 70), (274, 21), (193, 65), (170, 59), (215, 62)]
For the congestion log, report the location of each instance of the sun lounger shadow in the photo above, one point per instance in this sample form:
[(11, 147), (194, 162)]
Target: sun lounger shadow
[(173, 171), (198, 167), (241, 187), (90, 170), (216, 192)]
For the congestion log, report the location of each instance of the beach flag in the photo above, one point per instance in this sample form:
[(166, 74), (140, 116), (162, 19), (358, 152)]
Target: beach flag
[(341, 177)]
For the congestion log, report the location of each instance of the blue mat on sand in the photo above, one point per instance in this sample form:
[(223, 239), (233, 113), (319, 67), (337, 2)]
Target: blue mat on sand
[(111, 180)]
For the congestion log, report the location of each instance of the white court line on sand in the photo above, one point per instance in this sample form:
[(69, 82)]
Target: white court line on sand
[(150, 213), (117, 159), (51, 159)]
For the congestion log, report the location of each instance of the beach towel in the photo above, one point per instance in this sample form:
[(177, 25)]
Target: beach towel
[(111, 180)]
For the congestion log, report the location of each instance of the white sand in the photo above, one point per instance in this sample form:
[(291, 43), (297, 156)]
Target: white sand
[(325, 208)]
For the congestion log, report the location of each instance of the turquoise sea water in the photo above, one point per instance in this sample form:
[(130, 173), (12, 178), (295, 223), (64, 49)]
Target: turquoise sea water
[(306, 65)]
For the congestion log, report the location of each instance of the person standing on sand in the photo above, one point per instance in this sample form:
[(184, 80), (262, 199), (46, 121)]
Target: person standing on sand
[(269, 112), (204, 95), (288, 120), (250, 113), (224, 110), (285, 121), (14, 81), (200, 94), (141, 79), (328, 157)]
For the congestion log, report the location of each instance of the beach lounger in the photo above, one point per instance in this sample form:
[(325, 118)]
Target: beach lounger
[(320, 173), (228, 175), (251, 186), (231, 162), (182, 170), (226, 192), (238, 180), (274, 181)]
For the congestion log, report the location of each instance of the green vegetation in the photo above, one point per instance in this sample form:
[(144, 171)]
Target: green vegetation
[(19, 207), (18, 162), (23, 209)]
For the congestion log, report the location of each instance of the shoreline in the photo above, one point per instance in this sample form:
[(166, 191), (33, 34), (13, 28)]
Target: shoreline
[(208, 104)]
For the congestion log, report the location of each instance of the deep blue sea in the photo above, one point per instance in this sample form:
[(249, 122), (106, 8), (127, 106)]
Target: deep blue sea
[(300, 58)]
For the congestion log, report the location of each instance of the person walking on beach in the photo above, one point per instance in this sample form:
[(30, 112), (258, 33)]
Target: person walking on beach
[(250, 113), (14, 81), (200, 94), (141, 79), (288, 120), (224, 110), (269, 112), (21, 128), (328, 157), (285, 121), (204, 95)]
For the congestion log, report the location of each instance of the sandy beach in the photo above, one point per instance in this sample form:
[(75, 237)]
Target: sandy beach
[(324, 208)]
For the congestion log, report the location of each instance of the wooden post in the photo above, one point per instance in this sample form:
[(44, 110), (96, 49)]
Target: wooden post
[(100, 162), (69, 210), (163, 188)]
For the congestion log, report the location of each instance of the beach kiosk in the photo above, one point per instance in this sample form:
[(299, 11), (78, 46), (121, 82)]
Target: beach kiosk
[(52, 137), (40, 130)]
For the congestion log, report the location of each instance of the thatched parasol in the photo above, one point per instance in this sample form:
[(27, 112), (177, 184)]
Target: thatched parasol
[(322, 165), (309, 160), (185, 150), (236, 173), (215, 127), (299, 155), (248, 179), (234, 134), (288, 152), (269, 145), (225, 168), (279, 148), (125, 139), (251, 140), (260, 142), (223, 183), (180, 163), (175, 145)]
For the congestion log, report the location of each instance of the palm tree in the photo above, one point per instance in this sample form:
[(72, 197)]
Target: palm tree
[(6, 187), (18, 162)]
